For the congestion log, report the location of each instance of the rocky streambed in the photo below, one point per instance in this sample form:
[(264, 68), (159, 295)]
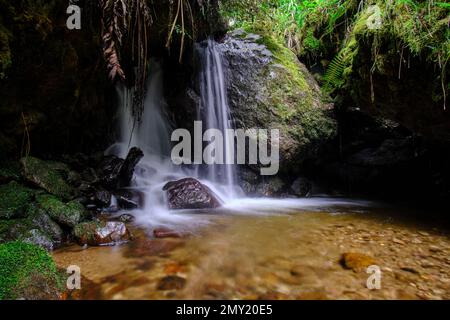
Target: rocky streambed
[(320, 254)]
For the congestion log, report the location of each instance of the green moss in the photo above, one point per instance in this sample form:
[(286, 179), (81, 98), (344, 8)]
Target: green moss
[(27, 271), (68, 214), (49, 175), (37, 228), (14, 200), (287, 59)]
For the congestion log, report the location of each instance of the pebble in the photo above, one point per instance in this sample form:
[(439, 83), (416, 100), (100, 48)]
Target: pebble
[(398, 241)]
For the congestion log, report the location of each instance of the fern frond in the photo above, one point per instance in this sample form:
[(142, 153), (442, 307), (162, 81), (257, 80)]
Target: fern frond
[(334, 75)]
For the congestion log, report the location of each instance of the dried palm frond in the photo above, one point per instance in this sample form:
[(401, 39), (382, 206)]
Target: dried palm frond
[(114, 24)]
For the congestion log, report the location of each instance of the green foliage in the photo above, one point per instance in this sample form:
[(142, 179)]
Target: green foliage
[(317, 29), (22, 264)]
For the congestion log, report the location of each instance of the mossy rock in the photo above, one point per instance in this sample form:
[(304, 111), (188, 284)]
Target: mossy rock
[(28, 272), (68, 214), (38, 228), (48, 175), (101, 233), (14, 200), (270, 89)]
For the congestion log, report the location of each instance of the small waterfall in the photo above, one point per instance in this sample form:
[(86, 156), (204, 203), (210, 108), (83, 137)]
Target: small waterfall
[(215, 113), (152, 135)]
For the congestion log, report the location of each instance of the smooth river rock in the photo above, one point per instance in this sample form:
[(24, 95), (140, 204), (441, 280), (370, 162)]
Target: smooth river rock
[(190, 193)]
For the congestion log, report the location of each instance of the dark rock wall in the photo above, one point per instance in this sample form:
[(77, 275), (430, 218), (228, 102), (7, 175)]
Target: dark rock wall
[(56, 83)]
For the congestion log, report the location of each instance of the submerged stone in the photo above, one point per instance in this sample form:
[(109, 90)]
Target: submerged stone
[(356, 261), (14, 200), (171, 283), (48, 175)]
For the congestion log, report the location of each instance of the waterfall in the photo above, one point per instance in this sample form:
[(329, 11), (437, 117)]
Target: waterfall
[(214, 113), (152, 135)]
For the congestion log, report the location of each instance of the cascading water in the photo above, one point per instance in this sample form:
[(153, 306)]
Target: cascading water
[(152, 135), (215, 113)]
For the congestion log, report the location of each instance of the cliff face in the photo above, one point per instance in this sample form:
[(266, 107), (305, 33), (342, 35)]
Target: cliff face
[(55, 95)]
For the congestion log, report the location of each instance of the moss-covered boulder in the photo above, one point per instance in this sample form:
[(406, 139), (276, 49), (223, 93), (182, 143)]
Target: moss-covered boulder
[(48, 175), (27, 272), (270, 89), (14, 200), (68, 214), (38, 228)]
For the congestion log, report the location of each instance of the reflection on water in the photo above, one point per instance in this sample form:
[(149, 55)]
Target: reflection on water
[(287, 255)]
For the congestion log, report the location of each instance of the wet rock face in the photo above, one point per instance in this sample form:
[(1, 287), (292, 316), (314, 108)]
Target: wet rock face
[(269, 88), (189, 193), (101, 233), (48, 175), (117, 173)]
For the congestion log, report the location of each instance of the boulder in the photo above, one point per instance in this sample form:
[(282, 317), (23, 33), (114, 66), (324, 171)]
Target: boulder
[(269, 88), (190, 193), (14, 200), (271, 187), (101, 233), (68, 214), (49, 175), (28, 272), (301, 187), (38, 228)]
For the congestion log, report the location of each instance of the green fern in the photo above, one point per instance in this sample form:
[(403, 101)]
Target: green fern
[(334, 75)]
